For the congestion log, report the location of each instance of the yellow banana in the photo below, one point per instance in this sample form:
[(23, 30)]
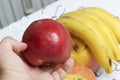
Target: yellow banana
[(108, 18), (80, 52), (106, 32), (92, 38), (78, 44), (73, 77), (98, 26)]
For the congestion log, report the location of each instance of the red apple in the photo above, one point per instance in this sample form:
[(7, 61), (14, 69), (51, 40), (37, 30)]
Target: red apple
[(48, 42)]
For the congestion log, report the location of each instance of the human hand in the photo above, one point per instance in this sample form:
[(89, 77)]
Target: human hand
[(13, 67)]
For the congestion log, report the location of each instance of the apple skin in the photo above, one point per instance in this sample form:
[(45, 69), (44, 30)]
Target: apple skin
[(82, 71), (48, 42)]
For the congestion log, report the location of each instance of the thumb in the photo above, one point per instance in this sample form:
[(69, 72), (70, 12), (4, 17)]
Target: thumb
[(11, 44)]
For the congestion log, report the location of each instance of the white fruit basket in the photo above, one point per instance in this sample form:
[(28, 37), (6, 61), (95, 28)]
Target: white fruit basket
[(54, 10)]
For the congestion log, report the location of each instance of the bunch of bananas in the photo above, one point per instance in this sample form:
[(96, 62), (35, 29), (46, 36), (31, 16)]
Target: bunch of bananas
[(96, 29)]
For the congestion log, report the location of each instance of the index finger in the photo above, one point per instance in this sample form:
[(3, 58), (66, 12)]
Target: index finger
[(68, 65)]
